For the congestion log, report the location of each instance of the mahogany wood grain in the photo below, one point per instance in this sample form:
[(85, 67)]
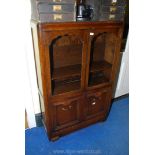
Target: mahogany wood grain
[(65, 72), (99, 66)]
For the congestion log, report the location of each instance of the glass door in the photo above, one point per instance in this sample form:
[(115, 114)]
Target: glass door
[(66, 58), (102, 48)]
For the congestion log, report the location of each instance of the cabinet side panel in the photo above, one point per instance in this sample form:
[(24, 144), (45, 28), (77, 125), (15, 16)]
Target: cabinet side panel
[(109, 47), (37, 57), (38, 65), (116, 61)]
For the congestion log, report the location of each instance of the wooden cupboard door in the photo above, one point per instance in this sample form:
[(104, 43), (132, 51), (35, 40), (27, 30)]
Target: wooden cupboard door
[(101, 56), (98, 102), (65, 56), (67, 113)]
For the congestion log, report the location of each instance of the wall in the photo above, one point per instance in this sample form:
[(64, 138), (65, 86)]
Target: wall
[(15, 87), (32, 106), (122, 87)]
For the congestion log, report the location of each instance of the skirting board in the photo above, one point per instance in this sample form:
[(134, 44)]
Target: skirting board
[(120, 97), (38, 118)]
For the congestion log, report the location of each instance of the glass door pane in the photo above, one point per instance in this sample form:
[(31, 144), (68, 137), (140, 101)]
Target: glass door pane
[(65, 61), (101, 58)]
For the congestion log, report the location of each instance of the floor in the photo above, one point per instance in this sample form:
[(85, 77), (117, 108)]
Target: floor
[(105, 138)]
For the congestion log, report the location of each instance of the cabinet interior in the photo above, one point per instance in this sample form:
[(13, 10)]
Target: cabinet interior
[(101, 59), (65, 61)]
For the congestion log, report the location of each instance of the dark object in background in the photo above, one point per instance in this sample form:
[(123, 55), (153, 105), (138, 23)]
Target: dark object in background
[(46, 11), (105, 10), (84, 12)]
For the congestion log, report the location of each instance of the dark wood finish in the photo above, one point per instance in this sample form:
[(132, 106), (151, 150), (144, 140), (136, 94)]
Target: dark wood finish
[(98, 80), (100, 65), (76, 67), (98, 102), (65, 72), (62, 87), (80, 125), (66, 113)]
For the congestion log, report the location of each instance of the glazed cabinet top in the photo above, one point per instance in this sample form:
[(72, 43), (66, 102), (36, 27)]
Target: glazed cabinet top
[(76, 57)]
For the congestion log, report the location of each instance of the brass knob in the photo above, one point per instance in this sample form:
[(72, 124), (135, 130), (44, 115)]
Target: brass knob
[(56, 0), (91, 33), (65, 109), (93, 103), (112, 16), (70, 107)]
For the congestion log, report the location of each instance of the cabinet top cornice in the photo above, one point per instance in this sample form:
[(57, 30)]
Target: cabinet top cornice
[(78, 25)]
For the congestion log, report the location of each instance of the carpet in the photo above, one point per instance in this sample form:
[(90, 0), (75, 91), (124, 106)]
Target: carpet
[(104, 138)]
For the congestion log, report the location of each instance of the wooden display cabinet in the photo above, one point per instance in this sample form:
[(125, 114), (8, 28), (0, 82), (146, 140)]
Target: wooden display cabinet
[(76, 64)]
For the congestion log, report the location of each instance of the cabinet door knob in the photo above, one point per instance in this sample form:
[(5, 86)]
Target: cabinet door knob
[(91, 33), (64, 109), (68, 108), (93, 103)]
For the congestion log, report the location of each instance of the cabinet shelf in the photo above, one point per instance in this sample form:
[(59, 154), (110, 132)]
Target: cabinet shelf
[(62, 87), (97, 80), (75, 70), (99, 66), (65, 72)]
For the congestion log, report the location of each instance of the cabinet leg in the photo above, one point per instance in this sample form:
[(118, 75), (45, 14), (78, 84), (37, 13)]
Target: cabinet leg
[(55, 138)]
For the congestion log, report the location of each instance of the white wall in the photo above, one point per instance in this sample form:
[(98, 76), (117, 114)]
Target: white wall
[(32, 107), (122, 87), (32, 101), (31, 63), (15, 90)]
